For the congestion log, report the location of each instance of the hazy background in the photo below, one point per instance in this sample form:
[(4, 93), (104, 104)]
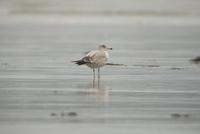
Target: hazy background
[(130, 7), (187, 9)]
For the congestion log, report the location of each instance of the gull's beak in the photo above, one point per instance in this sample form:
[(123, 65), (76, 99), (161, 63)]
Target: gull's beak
[(110, 48)]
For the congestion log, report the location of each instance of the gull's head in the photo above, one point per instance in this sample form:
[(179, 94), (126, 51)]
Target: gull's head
[(104, 47)]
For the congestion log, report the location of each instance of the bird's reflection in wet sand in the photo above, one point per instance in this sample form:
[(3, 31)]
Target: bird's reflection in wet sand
[(96, 85), (99, 90)]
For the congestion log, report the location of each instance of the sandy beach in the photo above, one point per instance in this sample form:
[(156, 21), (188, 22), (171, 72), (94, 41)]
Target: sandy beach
[(154, 89)]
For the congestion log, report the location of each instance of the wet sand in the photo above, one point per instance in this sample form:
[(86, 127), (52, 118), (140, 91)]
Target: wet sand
[(154, 89)]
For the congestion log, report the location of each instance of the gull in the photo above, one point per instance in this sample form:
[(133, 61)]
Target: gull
[(95, 59)]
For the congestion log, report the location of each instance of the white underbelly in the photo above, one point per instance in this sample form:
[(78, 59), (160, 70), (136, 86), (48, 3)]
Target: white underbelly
[(94, 65)]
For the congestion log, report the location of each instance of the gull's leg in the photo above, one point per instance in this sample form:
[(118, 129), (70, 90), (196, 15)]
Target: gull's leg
[(98, 83), (98, 77), (93, 74), (93, 77), (98, 73)]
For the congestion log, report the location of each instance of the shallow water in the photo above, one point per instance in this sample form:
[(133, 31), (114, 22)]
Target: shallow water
[(156, 90)]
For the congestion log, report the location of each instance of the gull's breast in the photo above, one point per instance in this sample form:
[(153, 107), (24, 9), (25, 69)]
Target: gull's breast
[(106, 54)]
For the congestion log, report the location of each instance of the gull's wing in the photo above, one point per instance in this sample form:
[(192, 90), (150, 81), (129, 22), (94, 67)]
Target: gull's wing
[(91, 53), (96, 56)]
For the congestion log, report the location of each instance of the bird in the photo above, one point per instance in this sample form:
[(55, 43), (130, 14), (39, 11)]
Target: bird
[(95, 59)]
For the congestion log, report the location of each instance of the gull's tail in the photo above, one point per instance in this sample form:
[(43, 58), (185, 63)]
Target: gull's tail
[(82, 61), (79, 62)]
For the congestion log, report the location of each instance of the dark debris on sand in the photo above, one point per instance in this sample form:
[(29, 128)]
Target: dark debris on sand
[(196, 60), (62, 114), (72, 114), (139, 65), (178, 115), (176, 68), (115, 64)]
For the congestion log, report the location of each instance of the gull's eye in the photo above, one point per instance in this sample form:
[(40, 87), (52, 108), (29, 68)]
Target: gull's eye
[(104, 46)]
